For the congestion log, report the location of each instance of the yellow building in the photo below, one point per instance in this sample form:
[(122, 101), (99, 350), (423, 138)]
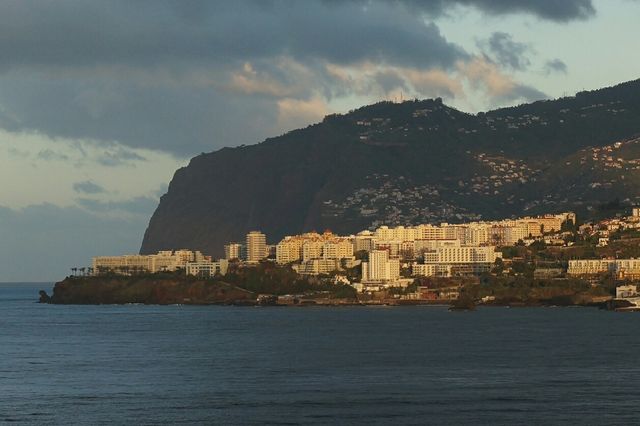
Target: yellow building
[(311, 246)]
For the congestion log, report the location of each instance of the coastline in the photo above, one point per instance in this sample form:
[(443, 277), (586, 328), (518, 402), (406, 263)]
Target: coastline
[(171, 290)]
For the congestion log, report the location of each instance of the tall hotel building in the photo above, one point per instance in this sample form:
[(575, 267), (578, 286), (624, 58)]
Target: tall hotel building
[(233, 251), (380, 268), (256, 246)]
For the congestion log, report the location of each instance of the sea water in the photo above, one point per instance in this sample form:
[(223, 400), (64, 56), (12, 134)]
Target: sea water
[(136, 364)]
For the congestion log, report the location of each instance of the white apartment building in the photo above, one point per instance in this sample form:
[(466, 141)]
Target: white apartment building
[(207, 268), (422, 246), (256, 245), (233, 251), (448, 257), (431, 270), (380, 268), (624, 268), (456, 254), (165, 260)]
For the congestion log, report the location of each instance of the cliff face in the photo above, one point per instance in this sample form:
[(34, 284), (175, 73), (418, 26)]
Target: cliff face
[(121, 290), (414, 162)]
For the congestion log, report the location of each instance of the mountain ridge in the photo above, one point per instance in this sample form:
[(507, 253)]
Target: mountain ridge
[(403, 163)]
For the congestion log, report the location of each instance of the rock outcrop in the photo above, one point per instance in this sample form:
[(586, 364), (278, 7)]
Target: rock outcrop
[(146, 290)]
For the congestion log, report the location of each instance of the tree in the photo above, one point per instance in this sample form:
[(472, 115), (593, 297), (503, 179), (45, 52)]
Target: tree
[(498, 267), (568, 226)]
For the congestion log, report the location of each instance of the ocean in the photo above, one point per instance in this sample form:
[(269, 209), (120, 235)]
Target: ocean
[(134, 364)]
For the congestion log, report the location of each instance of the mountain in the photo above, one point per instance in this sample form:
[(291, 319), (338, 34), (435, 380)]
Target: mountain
[(408, 163)]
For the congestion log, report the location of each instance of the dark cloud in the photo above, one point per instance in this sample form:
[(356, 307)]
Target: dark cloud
[(505, 51), (88, 187), (555, 65), (167, 74), (164, 33), (554, 10)]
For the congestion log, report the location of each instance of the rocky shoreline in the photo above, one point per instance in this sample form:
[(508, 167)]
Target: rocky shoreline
[(144, 290), (171, 290)]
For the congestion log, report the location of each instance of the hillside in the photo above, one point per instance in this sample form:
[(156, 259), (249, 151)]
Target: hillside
[(413, 162)]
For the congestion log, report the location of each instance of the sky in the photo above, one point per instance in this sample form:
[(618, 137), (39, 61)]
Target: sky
[(100, 102)]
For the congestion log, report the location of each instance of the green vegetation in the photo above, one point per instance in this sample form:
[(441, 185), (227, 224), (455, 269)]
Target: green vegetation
[(526, 290), (270, 278)]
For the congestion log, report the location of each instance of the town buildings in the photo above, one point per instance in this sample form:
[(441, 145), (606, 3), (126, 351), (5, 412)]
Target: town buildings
[(314, 253), (503, 232), (443, 250)]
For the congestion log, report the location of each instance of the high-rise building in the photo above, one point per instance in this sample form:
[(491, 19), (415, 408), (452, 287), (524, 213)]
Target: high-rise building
[(380, 268), (233, 251), (256, 246)]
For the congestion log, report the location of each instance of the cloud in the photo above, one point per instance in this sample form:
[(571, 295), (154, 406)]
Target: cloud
[(88, 187), (186, 77), (119, 156), (51, 155), (390, 80), (555, 65), (434, 83), (553, 10), (137, 206), (56, 170), (501, 88), (293, 112), (505, 51)]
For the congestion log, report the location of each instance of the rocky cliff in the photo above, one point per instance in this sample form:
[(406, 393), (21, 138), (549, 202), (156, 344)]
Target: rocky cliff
[(145, 290), (407, 163)]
